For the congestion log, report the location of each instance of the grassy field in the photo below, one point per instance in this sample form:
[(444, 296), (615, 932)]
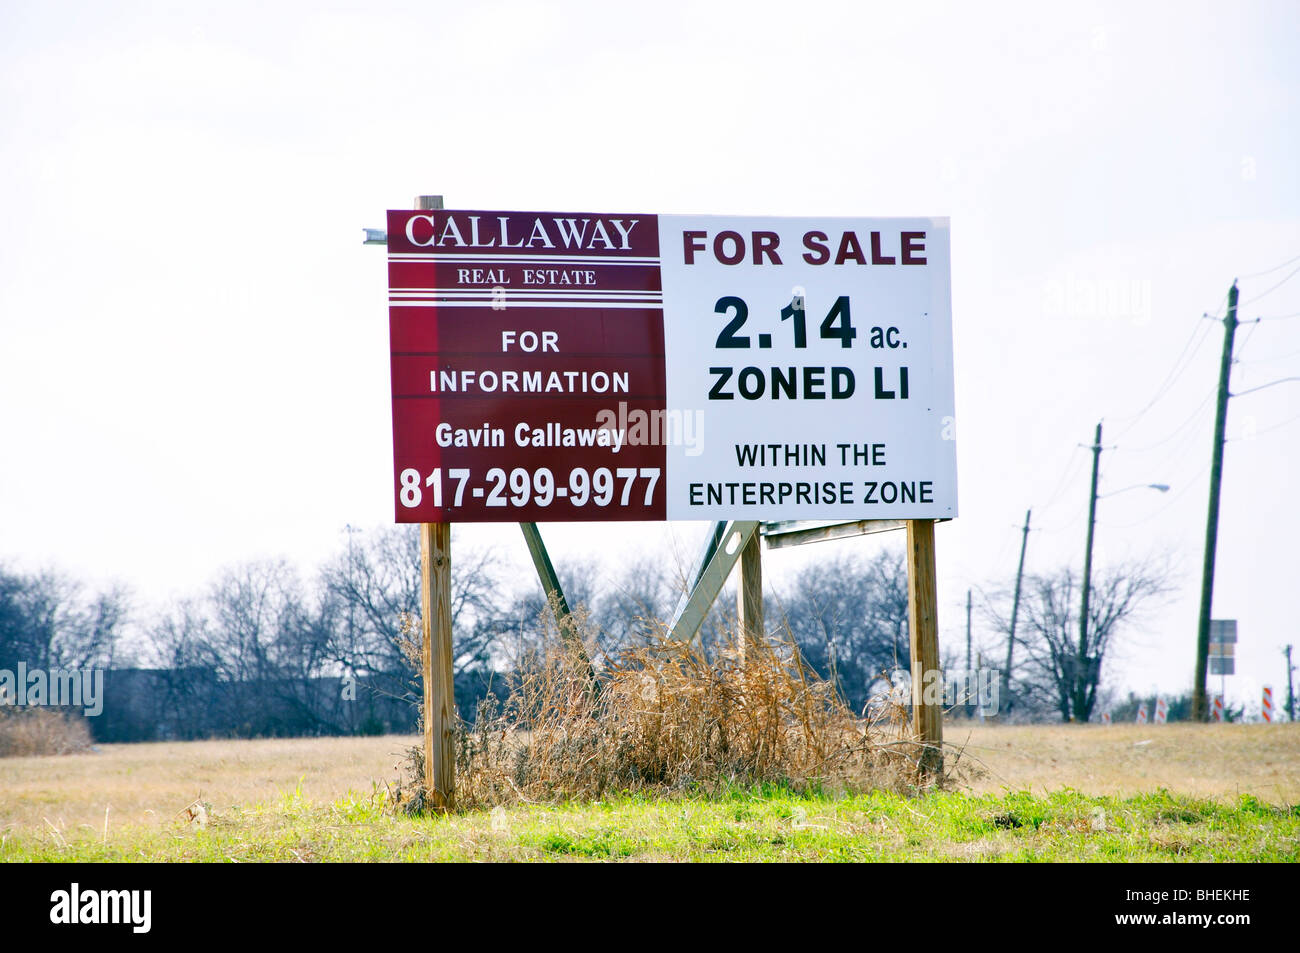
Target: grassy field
[(1212, 761), (1045, 793)]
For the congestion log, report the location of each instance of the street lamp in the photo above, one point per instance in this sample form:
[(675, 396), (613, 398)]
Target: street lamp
[(1162, 487)]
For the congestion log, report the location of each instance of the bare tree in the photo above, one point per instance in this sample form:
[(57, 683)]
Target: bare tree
[(849, 618), (13, 627), (253, 609), (375, 582), (635, 606), (253, 656), (49, 620), (180, 640), (1061, 668)]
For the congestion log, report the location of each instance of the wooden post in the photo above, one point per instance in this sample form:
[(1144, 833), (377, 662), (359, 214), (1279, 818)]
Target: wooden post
[(439, 699), (435, 624), (923, 624), (749, 596)]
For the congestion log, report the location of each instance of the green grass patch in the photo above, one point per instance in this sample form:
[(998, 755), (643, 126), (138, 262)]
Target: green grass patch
[(767, 824)]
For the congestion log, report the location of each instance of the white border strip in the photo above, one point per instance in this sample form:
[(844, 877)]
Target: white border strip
[(503, 306), (512, 293), (539, 259)]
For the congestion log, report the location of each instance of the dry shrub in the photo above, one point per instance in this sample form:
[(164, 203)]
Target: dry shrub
[(667, 719), (40, 731)]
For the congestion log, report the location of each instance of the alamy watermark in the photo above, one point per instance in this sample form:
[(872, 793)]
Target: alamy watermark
[(980, 688), (77, 906), (654, 428), (1081, 296), (57, 688)]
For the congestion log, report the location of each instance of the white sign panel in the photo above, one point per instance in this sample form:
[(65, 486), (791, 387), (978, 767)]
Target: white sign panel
[(816, 356)]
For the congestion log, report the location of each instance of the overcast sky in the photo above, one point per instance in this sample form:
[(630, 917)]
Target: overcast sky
[(194, 345)]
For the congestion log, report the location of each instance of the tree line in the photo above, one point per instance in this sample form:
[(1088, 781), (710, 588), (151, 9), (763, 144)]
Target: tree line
[(263, 651)]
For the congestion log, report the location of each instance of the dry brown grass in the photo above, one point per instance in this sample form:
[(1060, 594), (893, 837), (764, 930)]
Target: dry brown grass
[(666, 719), (1198, 760), (41, 731), (147, 784)]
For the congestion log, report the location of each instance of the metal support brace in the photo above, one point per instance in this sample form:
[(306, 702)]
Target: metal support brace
[(545, 570), (779, 535), (701, 563), (721, 553), (710, 573), (551, 586)]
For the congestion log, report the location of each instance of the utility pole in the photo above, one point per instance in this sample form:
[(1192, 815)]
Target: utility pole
[(1200, 711), (352, 621), (1005, 697), (1081, 667), (970, 709), (1290, 690)]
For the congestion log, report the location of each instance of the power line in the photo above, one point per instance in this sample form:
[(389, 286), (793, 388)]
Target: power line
[(1176, 457), (1067, 524), (1060, 485), (1194, 414), (1195, 340), (1170, 461), (1268, 429), (1176, 371), (1274, 288), (1269, 360), (1174, 460), (1269, 271), (1214, 315), (1254, 326), (1173, 433)]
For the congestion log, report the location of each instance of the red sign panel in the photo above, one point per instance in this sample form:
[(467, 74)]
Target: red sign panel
[(512, 334)]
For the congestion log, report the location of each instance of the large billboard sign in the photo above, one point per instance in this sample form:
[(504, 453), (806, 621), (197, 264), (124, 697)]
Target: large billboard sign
[(615, 366)]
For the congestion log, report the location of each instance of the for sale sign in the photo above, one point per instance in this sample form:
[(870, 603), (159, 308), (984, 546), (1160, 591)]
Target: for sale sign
[(588, 366)]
